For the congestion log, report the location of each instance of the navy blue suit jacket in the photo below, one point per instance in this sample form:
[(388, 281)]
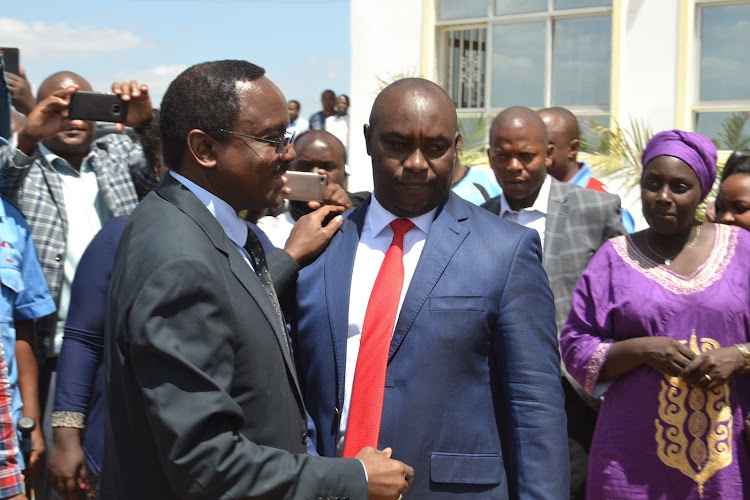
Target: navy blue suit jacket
[(473, 399)]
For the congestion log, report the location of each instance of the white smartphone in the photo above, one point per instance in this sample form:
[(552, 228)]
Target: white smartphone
[(305, 186)]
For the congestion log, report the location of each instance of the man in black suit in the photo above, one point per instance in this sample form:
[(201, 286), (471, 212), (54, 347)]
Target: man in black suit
[(203, 399)]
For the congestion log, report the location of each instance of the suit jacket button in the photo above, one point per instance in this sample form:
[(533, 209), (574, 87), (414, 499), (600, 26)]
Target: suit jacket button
[(58, 258), (304, 437), (336, 409)]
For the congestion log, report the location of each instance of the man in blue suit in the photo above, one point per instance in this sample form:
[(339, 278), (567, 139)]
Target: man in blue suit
[(470, 384)]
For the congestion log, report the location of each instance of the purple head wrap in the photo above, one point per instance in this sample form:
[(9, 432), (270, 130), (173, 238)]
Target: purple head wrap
[(694, 149)]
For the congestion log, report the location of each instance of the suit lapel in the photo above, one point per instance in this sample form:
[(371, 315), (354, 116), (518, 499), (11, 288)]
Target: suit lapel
[(173, 191), (446, 235), (339, 266), (557, 218)]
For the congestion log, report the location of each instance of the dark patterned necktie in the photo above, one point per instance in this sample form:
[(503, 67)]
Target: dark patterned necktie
[(258, 255)]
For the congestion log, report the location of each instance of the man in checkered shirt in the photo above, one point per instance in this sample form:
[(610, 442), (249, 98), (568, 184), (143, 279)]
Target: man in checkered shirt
[(67, 185)]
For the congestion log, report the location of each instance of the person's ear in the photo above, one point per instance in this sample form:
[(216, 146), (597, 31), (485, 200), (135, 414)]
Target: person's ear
[(574, 146), (550, 152), (368, 133), (459, 140), (203, 148)]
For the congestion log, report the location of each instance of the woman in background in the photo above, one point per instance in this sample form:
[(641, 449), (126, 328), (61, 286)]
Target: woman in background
[(733, 200), (660, 325)]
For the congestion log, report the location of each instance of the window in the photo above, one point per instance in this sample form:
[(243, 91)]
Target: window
[(537, 53), (721, 107)]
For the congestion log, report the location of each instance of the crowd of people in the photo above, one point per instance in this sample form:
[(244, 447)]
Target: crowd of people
[(177, 329)]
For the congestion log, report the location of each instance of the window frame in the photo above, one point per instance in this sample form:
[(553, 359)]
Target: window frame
[(695, 104), (444, 26)]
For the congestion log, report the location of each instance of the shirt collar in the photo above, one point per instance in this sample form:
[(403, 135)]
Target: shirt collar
[(539, 205), (379, 218), (582, 176), (228, 219), (54, 160)]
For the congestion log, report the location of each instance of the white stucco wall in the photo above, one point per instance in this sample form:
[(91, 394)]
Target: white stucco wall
[(386, 37), (648, 75)]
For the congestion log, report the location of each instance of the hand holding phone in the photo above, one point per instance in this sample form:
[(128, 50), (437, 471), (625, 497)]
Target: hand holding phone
[(305, 186), (97, 106)]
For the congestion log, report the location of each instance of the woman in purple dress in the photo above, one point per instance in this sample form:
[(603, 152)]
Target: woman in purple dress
[(659, 327)]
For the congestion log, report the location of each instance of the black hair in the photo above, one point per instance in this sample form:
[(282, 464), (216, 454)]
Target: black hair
[(328, 91), (738, 163), (345, 97), (295, 101), (204, 97), (151, 140), (144, 175)]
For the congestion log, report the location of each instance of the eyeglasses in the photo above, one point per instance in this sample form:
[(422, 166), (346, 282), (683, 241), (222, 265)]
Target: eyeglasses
[(281, 144)]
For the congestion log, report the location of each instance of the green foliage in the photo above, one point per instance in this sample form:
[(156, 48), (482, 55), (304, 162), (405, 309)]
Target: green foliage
[(731, 136), (616, 151), (475, 131)]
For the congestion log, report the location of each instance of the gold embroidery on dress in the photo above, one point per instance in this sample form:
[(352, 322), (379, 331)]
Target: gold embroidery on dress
[(595, 366), (709, 272), (694, 427)]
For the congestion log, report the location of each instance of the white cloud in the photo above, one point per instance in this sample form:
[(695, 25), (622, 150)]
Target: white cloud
[(39, 40)]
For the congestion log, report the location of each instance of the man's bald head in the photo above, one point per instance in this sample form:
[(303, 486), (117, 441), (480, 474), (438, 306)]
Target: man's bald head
[(412, 139), (321, 137), (418, 88), (61, 80), (563, 133), (516, 118), (318, 149), (76, 135)]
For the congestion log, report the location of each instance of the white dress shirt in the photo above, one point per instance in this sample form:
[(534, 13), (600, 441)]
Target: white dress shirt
[(339, 127), (277, 227), (533, 217), (298, 126), (373, 244), (86, 211)]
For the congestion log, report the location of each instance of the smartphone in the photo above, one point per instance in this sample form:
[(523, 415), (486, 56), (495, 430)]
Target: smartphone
[(11, 59), (97, 106), (305, 186)]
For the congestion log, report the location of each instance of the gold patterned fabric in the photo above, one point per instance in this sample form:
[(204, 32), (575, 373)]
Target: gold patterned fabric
[(68, 419), (710, 271), (694, 426)]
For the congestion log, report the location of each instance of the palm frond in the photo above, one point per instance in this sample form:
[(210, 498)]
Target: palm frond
[(475, 131), (616, 153)]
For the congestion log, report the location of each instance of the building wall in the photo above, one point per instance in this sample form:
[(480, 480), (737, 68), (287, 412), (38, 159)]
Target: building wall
[(386, 37), (646, 85), (653, 63)]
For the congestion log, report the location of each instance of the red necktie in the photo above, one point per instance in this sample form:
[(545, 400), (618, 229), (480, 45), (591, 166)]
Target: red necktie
[(366, 407)]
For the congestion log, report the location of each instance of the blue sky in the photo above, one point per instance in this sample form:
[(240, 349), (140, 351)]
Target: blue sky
[(303, 44)]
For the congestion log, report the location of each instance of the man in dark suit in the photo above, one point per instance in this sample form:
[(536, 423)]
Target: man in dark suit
[(573, 223), (469, 372), (203, 400)]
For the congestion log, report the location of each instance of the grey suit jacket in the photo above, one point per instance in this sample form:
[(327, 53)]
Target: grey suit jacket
[(579, 221), (203, 399)]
